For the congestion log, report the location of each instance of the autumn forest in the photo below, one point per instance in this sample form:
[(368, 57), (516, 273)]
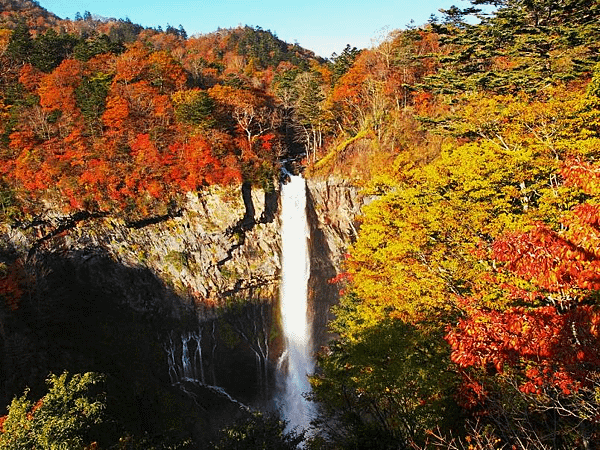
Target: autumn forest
[(469, 315)]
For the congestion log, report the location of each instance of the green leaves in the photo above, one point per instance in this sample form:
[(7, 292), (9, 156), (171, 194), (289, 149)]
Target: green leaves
[(62, 419), (521, 46), (385, 389), (259, 431), (91, 99), (194, 107), (45, 52)]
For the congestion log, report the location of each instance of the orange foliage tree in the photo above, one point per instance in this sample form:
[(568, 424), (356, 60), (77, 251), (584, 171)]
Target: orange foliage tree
[(551, 337)]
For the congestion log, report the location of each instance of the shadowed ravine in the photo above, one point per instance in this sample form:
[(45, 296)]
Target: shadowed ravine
[(183, 340)]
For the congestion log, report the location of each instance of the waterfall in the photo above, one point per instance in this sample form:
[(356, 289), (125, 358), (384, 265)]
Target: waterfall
[(188, 371), (191, 367), (293, 304), (198, 363)]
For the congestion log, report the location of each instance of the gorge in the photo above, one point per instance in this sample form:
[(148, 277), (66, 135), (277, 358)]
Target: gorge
[(179, 312), (144, 245)]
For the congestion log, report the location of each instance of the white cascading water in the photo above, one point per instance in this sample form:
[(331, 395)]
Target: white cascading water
[(293, 304)]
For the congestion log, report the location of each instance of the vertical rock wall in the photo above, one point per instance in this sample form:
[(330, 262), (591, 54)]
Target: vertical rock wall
[(110, 295), (223, 243), (333, 207), (121, 297)]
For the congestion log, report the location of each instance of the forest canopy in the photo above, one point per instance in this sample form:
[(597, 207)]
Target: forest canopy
[(470, 309)]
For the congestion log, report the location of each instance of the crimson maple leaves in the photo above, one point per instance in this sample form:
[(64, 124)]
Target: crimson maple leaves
[(550, 337), (130, 148)]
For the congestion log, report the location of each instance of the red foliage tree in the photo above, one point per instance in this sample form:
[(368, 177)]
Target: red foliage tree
[(13, 284), (552, 338)]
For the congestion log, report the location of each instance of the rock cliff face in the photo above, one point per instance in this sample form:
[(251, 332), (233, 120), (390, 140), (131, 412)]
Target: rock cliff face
[(222, 243), (187, 297), (333, 206)]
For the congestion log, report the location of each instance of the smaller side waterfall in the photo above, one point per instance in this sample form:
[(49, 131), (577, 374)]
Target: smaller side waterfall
[(297, 356), (187, 366), (187, 363)]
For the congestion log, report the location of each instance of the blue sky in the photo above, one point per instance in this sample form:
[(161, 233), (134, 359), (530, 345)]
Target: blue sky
[(324, 26)]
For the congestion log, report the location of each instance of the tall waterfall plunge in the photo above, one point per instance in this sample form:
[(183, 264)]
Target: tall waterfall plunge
[(294, 304)]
